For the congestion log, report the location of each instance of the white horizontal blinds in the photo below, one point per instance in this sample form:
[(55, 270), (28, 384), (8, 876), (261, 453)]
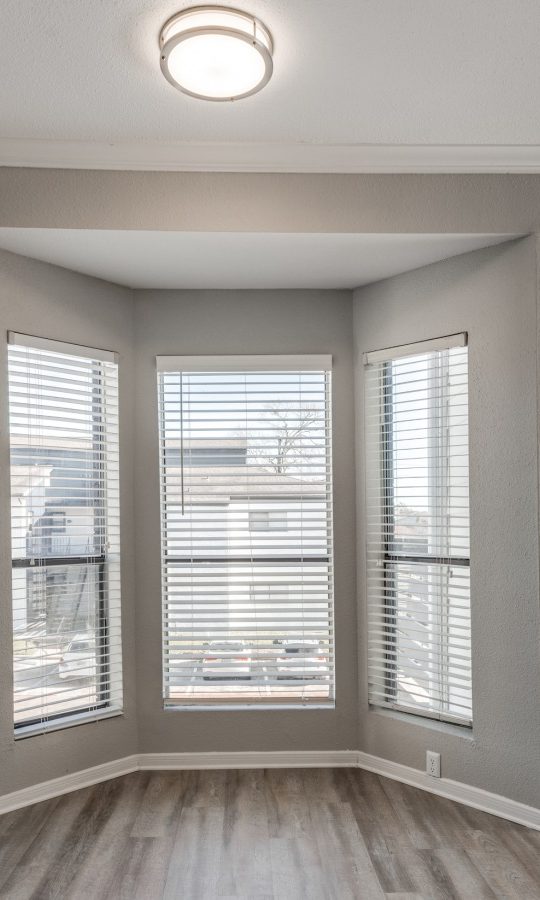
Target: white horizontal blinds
[(246, 532), (418, 529), (65, 530)]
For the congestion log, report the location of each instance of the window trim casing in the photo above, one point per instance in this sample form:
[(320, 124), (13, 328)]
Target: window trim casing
[(253, 363), (41, 343), (238, 363), (386, 356), (107, 705)]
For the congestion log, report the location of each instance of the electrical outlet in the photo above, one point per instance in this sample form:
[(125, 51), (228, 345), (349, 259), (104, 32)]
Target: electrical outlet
[(433, 764)]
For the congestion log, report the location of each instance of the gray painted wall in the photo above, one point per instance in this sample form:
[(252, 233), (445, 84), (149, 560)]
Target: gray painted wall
[(40, 299), (492, 295), (221, 322)]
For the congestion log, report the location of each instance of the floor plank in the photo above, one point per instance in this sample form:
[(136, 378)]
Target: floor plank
[(318, 834)]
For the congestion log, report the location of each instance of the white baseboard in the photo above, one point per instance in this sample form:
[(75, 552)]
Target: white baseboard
[(453, 790), (444, 787), (276, 759), (45, 790)]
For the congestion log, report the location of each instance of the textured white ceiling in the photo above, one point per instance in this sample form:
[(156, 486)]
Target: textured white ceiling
[(346, 72), (165, 259)]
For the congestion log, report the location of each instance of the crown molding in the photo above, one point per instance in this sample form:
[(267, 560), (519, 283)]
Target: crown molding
[(271, 157)]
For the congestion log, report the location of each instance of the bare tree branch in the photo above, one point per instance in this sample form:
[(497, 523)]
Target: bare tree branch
[(290, 437)]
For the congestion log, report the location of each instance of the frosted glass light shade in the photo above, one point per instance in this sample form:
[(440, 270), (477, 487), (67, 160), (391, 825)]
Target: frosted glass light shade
[(216, 53)]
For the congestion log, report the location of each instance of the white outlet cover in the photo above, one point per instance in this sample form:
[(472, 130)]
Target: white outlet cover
[(433, 764)]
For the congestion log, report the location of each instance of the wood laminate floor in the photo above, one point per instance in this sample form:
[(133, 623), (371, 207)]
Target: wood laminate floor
[(260, 835)]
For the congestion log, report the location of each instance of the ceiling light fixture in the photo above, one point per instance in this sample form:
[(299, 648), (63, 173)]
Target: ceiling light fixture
[(216, 53)]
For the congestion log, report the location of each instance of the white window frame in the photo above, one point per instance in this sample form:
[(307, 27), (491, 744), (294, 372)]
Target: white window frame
[(110, 688), (379, 463), (259, 363)]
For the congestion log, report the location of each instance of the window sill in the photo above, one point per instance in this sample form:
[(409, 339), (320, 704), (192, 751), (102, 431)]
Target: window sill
[(245, 707), (27, 731), (465, 732)]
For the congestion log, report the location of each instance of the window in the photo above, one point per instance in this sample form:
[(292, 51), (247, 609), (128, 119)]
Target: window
[(418, 529), (63, 406), (268, 520), (246, 530)]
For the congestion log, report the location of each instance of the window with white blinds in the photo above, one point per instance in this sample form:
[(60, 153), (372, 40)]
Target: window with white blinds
[(246, 516), (419, 626), (63, 416)]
